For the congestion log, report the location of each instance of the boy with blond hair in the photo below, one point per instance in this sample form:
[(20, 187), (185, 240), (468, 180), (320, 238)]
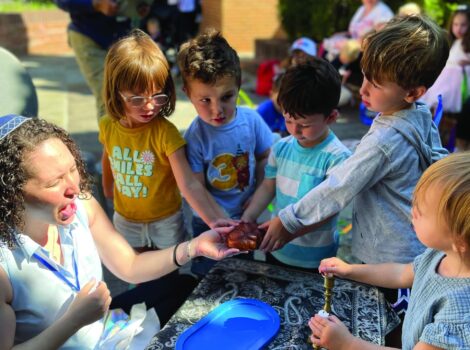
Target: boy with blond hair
[(400, 62)]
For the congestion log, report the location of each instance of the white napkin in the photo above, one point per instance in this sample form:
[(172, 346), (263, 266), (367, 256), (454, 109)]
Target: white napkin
[(122, 332)]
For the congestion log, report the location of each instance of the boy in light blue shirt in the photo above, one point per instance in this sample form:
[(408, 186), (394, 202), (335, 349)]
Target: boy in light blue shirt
[(308, 96)]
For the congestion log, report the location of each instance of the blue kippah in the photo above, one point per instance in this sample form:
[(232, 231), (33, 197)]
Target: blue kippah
[(10, 122)]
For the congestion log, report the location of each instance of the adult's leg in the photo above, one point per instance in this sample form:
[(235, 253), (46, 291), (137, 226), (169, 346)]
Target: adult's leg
[(158, 295), (90, 58), (201, 265), (463, 128)]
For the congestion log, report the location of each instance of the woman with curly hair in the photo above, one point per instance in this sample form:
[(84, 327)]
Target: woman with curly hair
[(54, 236)]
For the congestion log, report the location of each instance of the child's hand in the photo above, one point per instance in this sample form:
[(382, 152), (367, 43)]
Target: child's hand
[(276, 236), (224, 222), (90, 304), (329, 333), (334, 266), (211, 244)]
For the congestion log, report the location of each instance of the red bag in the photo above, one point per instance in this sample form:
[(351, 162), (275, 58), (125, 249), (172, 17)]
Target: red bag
[(264, 77)]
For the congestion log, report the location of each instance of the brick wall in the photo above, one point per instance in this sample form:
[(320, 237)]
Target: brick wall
[(243, 21), (35, 32)]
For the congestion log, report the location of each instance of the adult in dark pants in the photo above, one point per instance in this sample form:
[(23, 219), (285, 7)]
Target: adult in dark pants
[(462, 132), (94, 26)]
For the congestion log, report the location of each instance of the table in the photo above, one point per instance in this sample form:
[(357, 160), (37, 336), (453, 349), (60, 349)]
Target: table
[(295, 295)]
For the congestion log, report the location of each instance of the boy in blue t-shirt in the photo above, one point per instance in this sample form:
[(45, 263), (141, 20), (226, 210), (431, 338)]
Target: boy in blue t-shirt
[(308, 96), (227, 146)]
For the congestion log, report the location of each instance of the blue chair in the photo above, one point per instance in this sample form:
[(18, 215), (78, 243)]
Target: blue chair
[(439, 111), (366, 115), (437, 120)]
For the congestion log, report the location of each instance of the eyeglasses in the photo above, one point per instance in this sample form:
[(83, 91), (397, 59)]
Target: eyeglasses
[(140, 101)]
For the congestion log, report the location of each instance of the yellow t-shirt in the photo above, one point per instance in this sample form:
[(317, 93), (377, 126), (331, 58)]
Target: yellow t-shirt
[(144, 186)]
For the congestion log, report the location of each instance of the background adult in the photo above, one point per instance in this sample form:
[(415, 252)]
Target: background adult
[(369, 16), (94, 26)]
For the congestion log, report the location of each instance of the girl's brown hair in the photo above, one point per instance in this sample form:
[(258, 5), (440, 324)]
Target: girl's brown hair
[(461, 10), (136, 63)]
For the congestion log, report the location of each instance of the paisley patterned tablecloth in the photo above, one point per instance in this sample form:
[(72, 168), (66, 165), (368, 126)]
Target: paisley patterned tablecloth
[(295, 295)]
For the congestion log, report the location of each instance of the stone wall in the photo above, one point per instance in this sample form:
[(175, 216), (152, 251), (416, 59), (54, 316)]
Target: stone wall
[(35, 32)]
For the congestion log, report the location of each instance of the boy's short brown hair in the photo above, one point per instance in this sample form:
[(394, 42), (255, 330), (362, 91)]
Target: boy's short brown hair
[(136, 63), (410, 51), (309, 88), (208, 58)]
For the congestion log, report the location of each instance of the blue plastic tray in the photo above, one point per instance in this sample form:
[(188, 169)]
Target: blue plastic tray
[(239, 324)]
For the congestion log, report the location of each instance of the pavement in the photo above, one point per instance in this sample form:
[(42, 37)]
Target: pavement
[(65, 99)]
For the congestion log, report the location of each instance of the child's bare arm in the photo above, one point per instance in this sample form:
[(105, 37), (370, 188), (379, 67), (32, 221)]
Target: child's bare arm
[(388, 275), (261, 160), (107, 179), (215, 207), (260, 200), (193, 190)]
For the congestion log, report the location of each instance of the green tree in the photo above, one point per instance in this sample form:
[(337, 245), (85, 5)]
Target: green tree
[(440, 10), (319, 19)]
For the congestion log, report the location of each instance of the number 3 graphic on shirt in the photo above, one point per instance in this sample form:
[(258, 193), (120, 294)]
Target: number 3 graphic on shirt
[(228, 174)]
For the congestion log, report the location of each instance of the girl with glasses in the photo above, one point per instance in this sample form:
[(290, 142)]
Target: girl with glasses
[(144, 162)]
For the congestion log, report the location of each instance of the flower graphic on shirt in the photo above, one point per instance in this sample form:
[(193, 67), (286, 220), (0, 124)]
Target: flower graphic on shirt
[(147, 157)]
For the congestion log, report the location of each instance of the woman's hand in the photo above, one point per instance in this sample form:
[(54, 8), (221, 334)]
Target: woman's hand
[(211, 244), (334, 266), (90, 304)]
